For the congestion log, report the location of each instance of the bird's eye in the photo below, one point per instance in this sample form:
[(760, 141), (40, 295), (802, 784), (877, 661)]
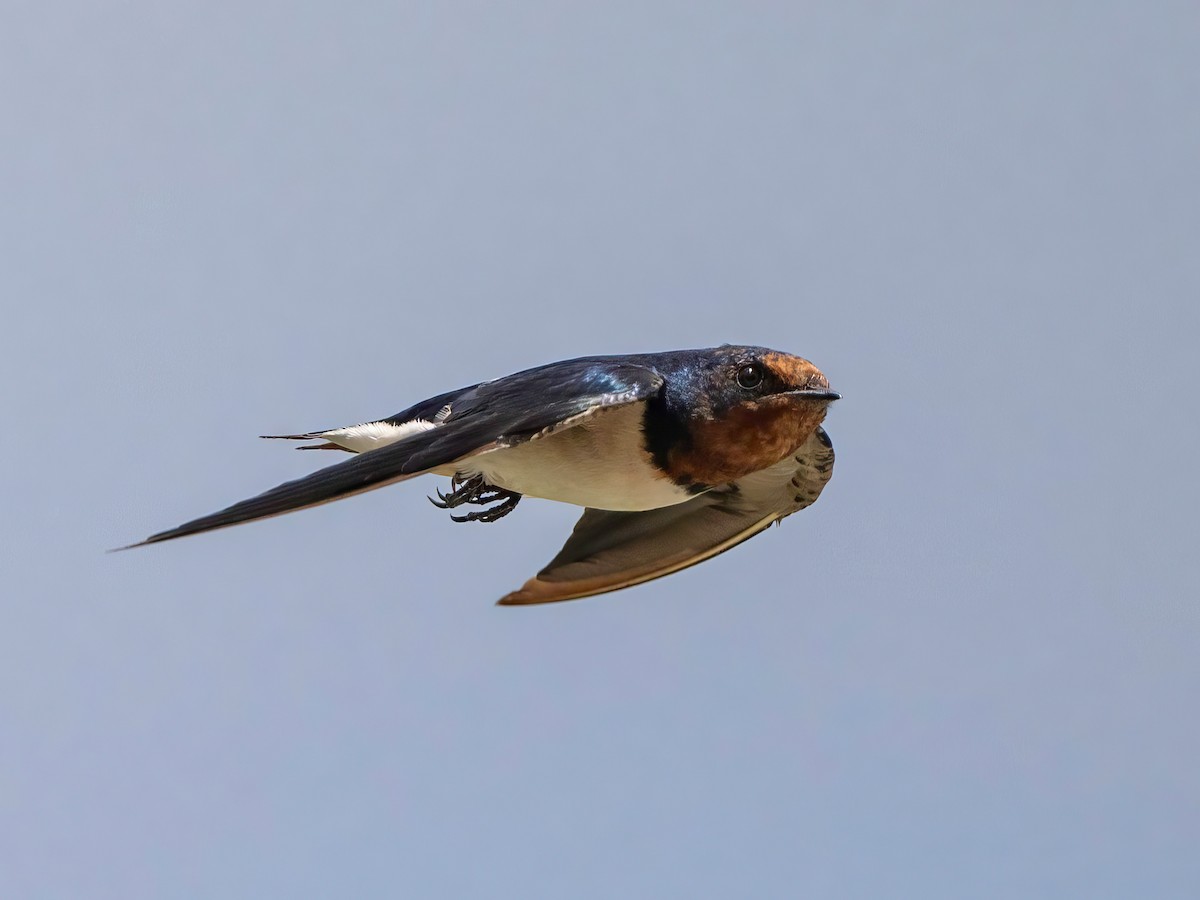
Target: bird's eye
[(750, 376)]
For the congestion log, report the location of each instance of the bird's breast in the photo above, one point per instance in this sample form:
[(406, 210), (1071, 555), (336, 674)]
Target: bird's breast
[(601, 462)]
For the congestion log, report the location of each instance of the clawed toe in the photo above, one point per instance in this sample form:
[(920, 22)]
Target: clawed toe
[(477, 492)]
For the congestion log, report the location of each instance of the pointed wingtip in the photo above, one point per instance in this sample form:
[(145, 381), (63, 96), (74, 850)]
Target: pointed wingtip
[(157, 538), (536, 592), (129, 546), (519, 597)]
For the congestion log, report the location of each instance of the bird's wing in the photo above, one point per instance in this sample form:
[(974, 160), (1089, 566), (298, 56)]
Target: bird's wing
[(484, 417), (612, 550)]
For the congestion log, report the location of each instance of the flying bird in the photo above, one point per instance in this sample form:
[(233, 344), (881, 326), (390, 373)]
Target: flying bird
[(675, 457)]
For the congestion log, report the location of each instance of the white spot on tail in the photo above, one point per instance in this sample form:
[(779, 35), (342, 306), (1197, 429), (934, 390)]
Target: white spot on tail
[(372, 435)]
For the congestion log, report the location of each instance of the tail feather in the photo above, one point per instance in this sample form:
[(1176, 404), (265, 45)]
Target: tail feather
[(364, 472), (310, 436)]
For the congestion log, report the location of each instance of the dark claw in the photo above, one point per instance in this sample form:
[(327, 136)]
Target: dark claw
[(461, 491), (477, 492)]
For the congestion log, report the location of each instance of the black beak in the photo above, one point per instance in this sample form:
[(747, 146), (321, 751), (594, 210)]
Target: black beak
[(827, 396)]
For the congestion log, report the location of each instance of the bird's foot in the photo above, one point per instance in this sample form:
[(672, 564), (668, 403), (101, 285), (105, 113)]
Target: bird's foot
[(493, 513), (462, 490), (477, 492)]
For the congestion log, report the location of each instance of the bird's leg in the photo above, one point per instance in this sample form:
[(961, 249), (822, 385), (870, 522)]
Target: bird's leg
[(477, 492)]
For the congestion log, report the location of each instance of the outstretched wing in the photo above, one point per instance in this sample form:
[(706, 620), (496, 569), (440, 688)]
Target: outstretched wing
[(484, 417), (612, 550)]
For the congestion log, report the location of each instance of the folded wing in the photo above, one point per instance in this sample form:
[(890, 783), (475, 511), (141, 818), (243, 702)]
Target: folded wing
[(482, 418), (612, 550)]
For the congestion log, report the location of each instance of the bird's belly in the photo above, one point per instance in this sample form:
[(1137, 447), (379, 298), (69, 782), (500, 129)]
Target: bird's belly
[(600, 463)]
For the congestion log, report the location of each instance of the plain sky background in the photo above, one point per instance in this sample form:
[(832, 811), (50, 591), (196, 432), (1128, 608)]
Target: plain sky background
[(971, 670)]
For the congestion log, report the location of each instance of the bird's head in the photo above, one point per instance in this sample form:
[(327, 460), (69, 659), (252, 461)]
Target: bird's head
[(743, 409)]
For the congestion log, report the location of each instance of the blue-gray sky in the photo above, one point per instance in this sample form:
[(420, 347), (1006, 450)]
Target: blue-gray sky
[(970, 670)]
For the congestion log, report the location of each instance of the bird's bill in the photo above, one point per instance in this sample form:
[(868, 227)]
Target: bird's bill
[(827, 396)]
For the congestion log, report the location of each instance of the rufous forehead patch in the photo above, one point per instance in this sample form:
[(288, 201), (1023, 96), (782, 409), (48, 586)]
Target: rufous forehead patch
[(795, 372)]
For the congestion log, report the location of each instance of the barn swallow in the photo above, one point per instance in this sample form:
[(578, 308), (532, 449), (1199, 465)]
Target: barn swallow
[(675, 457)]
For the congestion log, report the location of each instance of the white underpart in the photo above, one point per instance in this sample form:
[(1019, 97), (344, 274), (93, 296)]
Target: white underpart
[(372, 435), (600, 461)]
